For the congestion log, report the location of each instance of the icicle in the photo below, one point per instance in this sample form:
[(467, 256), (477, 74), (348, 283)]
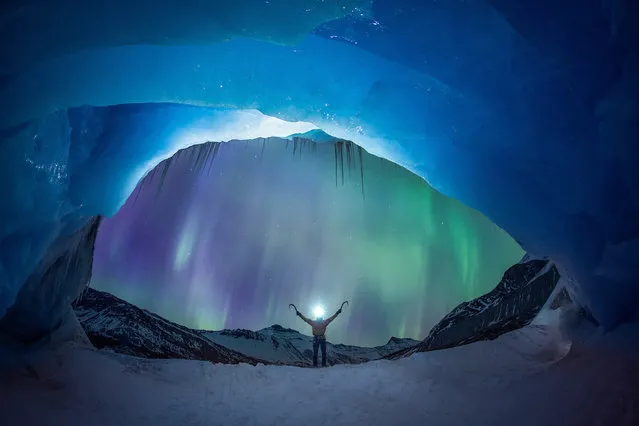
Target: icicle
[(263, 146), (191, 156), (208, 158), (139, 189), (361, 170), (341, 159), (349, 156), (151, 175), (335, 150), (294, 146), (165, 170), (209, 154), (198, 157), (201, 153), (216, 148)]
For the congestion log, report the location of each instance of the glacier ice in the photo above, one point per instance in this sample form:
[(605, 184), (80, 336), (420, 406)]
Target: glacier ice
[(35, 30), (514, 109), (44, 301), (86, 161)]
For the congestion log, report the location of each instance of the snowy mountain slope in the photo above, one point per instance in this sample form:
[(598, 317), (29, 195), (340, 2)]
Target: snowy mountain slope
[(116, 324), (522, 292), (112, 323), (284, 345)]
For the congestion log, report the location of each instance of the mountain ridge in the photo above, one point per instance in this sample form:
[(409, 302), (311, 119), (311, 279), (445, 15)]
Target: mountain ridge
[(115, 324)]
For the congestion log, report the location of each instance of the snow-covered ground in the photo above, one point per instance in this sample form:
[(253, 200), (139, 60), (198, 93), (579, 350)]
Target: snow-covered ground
[(535, 376)]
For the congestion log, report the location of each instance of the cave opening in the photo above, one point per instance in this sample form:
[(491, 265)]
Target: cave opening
[(224, 235), (526, 111)]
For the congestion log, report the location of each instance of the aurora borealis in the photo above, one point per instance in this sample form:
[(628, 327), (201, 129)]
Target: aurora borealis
[(230, 245)]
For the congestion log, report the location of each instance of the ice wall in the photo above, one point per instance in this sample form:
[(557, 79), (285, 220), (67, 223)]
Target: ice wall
[(526, 112), (35, 30), (83, 162), (45, 299)]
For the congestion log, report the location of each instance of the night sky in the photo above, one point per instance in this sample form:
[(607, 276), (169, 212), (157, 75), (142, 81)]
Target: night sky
[(231, 242)]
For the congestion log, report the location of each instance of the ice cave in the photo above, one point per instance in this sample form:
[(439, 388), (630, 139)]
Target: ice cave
[(523, 115)]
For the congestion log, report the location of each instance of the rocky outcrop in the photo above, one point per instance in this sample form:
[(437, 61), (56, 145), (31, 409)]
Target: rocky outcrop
[(561, 299), (112, 323), (523, 290), (44, 301)]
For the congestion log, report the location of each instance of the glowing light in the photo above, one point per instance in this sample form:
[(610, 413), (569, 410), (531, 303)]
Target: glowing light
[(318, 312), (200, 125)]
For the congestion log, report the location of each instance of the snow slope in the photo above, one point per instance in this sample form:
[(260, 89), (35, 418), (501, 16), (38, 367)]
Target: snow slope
[(530, 377), (278, 344)]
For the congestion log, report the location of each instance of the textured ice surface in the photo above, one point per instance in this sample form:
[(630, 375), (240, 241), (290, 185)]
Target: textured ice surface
[(34, 30), (526, 111), (77, 164)]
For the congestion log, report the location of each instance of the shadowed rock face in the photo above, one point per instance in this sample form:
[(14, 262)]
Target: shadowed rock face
[(45, 299), (112, 323), (514, 303)]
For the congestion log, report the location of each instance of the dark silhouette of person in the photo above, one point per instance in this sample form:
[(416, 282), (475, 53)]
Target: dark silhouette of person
[(319, 334)]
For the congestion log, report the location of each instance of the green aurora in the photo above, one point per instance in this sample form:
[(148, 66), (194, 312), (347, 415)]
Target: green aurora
[(269, 222)]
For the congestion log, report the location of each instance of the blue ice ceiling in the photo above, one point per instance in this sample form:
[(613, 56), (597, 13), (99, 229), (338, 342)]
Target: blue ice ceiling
[(526, 110)]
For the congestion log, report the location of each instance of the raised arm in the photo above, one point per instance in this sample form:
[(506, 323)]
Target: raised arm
[(306, 320), (328, 320)]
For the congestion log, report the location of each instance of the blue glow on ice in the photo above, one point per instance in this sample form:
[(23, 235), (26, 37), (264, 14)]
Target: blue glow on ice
[(526, 111)]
